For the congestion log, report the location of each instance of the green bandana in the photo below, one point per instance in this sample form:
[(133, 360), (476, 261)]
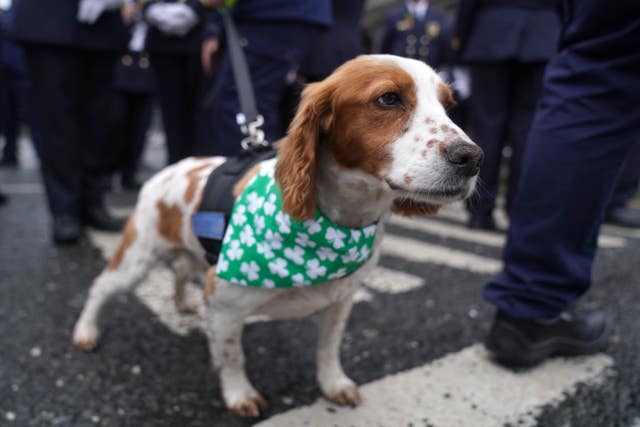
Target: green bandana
[(264, 247)]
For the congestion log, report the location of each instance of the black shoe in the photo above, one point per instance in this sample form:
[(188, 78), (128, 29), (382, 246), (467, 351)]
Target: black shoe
[(516, 342), (482, 223), (100, 219), (3, 199), (623, 217), (67, 230), (11, 162)]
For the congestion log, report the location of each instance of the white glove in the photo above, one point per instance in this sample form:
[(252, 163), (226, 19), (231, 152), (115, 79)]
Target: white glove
[(172, 18), (90, 10)]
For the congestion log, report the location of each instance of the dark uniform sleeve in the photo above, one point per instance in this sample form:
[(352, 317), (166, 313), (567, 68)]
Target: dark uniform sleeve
[(464, 23), (388, 34)]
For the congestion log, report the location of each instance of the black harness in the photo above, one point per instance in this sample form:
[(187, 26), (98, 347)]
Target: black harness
[(211, 219)]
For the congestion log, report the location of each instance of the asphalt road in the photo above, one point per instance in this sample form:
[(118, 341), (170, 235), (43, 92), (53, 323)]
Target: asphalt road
[(412, 340)]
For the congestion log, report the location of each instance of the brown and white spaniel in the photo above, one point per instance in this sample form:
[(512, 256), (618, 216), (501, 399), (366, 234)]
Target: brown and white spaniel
[(372, 138)]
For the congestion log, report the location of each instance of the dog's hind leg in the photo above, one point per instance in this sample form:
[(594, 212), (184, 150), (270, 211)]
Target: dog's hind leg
[(186, 268), (334, 383), (126, 269)]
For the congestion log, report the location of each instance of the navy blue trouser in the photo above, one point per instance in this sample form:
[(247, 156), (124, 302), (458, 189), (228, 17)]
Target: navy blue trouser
[(585, 125), (629, 180), (274, 49)]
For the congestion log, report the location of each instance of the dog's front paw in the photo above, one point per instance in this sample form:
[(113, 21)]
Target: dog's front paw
[(249, 406), (85, 337), (345, 394)]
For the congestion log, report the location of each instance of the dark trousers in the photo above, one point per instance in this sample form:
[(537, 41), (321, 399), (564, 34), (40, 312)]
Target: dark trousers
[(131, 119), (629, 182), (585, 126), (273, 52), (70, 99), (181, 89), (14, 108), (501, 107)]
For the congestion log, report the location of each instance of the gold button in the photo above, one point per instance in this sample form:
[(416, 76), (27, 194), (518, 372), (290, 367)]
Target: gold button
[(411, 50), (127, 60), (411, 39), (143, 63), (424, 39), (424, 51)]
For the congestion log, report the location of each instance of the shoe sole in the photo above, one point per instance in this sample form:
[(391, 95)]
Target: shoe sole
[(515, 350)]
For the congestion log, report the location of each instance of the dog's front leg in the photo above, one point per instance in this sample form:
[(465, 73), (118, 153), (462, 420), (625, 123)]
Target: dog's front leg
[(335, 385), (225, 321)]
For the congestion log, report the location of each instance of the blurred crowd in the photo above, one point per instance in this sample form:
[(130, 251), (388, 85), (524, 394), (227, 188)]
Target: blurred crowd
[(86, 75)]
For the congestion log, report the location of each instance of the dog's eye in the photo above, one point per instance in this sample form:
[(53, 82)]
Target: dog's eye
[(389, 99)]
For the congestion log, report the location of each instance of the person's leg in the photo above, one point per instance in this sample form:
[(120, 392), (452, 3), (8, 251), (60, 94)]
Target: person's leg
[(618, 213), (526, 89), (490, 87), (140, 106), (12, 117), (97, 102), (177, 115)]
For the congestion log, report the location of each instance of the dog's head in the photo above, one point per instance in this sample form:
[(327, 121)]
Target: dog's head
[(384, 115)]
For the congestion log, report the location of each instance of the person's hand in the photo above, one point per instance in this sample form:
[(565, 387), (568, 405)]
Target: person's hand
[(90, 10), (172, 18), (209, 48), (128, 13)]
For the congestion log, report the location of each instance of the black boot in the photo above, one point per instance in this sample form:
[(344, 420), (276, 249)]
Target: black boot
[(67, 230), (100, 219), (481, 222), (517, 342)]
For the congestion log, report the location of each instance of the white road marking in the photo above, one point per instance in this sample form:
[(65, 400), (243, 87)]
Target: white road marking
[(417, 251), (463, 389), (23, 188), (460, 232), (392, 282)]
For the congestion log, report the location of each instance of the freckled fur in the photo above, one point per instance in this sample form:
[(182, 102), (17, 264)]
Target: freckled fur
[(343, 154)]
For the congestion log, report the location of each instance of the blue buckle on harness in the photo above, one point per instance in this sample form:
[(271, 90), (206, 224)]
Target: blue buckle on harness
[(210, 225)]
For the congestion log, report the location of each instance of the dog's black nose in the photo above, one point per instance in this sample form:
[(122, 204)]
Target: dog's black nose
[(465, 157)]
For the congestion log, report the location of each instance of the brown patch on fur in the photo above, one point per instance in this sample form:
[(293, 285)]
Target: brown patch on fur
[(407, 179), (169, 222), (230, 341), (244, 181), (445, 96), (193, 176), (407, 207), (252, 406), (342, 112), (129, 236), (429, 121), (166, 179), (424, 153), (442, 147), (445, 128), (432, 142), (210, 285), (416, 138), (433, 130), (349, 396)]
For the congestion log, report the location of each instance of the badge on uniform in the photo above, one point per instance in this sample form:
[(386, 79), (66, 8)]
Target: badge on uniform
[(433, 29), (405, 24)]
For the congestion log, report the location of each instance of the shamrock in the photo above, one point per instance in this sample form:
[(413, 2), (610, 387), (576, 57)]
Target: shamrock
[(235, 251), (284, 222), (351, 256), (338, 274), (335, 237), (274, 239), (269, 207), (239, 217), (255, 202), (223, 264), (259, 223), (299, 280), (312, 226), (268, 283), (246, 236), (264, 249), (314, 269), (327, 254), (250, 270), (279, 267), (369, 230), (295, 254), (303, 240)]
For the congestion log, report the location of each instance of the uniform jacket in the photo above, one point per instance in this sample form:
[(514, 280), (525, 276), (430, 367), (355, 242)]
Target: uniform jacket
[(426, 39), (337, 44), (53, 22), (499, 30)]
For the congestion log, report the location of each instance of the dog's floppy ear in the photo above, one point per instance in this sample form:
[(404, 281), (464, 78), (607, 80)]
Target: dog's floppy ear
[(445, 96), (296, 168)]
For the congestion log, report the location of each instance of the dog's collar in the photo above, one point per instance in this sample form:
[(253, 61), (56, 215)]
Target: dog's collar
[(264, 247)]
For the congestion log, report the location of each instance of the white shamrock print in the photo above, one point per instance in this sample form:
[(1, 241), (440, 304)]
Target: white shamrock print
[(365, 252), (312, 226), (246, 236), (258, 223), (295, 254), (223, 264), (335, 237), (284, 222), (314, 269), (299, 280), (239, 217), (227, 235), (235, 251), (274, 239), (269, 207), (279, 267), (303, 240), (255, 202), (338, 274), (369, 230), (264, 249), (355, 235), (268, 283), (327, 254), (250, 269), (351, 256)]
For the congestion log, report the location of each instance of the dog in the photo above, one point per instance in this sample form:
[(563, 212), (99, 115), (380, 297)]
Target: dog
[(372, 138)]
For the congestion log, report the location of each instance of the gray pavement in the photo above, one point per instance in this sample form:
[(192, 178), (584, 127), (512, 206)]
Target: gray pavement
[(412, 340)]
